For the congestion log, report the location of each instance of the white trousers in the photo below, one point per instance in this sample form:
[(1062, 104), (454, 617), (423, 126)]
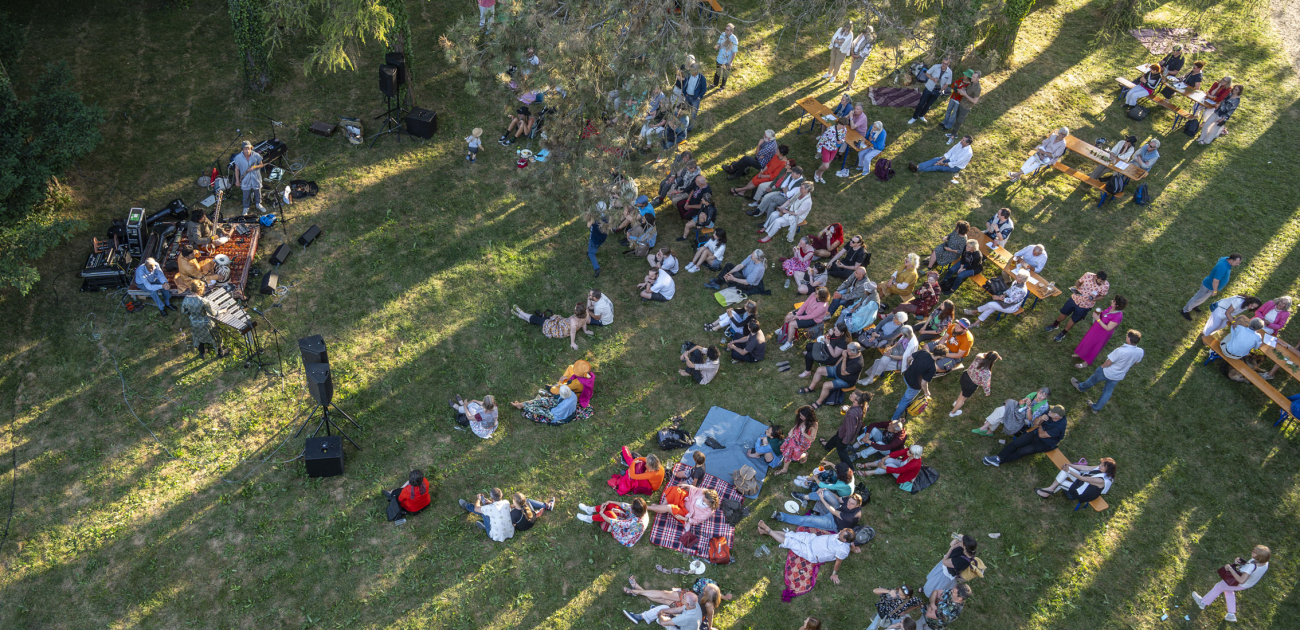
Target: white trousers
[(995, 418), (776, 221), (1034, 163), (988, 308), (1136, 94)]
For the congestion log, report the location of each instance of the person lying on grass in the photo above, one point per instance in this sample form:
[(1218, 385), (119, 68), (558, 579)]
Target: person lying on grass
[(816, 548), (557, 326)]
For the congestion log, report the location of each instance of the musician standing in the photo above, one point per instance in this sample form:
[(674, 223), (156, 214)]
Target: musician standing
[(201, 312), (248, 172)]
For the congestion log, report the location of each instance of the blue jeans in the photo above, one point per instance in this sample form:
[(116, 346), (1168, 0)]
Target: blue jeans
[(1099, 377), (932, 165), (592, 246), (819, 521), (907, 400), (955, 277), (764, 449), (949, 115), (161, 297)]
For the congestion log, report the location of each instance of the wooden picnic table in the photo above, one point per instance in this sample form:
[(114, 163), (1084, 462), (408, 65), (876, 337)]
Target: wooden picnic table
[(813, 107), (1196, 96), (1100, 156), (1038, 286), (1280, 355), (1252, 376)]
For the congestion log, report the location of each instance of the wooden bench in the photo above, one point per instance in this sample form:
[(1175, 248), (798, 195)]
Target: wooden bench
[(1251, 375), (980, 280), (1155, 98), (1098, 504), (1083, 177)]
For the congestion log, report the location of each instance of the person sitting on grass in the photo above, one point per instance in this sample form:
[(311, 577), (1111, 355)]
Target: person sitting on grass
[(684, 613), (1014, 415), (861, 314), (626, 522), (644, 475), (411, 497), (1042, 436), (809, 314), (842, 375), (704, 217), (641, 238), (705, 593), (953, 161), (732, 322), (952, 347), (701, 364), (895, 359), (853, 256), (827, 243), (681, 175), (556, 326), (747, 276), (880, 438), (658, 286), (697, 472), (1081, 482), (795, 446), (768, 447), (524, 511), (694, 201), (634, 215), (815, 548), (692, 506), (479, 415), (826, 350), (831, 516), (561, 408), (902, 283), (751, 347), (710, 253), (665, 260), (808, 280), (885, 334), (903, 465), (945, 606), (934, 325), (494, 511), (893, 607), (826, 481)]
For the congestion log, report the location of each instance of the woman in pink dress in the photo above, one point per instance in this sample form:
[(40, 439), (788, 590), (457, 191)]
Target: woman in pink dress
[(800, 258), (1103, 326), (796, 443)]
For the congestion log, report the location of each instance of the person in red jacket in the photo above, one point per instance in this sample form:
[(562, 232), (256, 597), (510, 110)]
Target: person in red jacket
[(411, 497), (903, 465), (769, 172)]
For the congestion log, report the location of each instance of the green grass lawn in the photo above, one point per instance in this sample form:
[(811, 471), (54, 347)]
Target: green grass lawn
[(422, 255)]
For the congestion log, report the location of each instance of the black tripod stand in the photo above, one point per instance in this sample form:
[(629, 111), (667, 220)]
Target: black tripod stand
[(327, 423), (392, 124), (259, 348)]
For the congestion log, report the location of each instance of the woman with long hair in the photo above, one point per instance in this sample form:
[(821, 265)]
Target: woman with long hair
[(795, 446), (1104, 323), (1216, 120), (626, 522), (933, 326), (710, 253), (524, 511), (979, 374)]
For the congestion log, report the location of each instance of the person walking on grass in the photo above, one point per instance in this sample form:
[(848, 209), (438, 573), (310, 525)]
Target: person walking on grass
[(1212, 284), (1116, 367), (599, 227), (1246, 573), (726, 46)]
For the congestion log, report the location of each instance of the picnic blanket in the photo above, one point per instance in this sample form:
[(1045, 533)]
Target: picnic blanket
[(894, 96), (1159, 41), (737, 433), (800, 574), (667, 532)]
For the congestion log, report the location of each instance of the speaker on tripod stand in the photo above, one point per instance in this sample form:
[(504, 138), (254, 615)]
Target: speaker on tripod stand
[(320, 384), (390, 85)]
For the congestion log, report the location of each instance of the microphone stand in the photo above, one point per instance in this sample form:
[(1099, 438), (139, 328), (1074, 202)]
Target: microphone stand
[(276, 333)]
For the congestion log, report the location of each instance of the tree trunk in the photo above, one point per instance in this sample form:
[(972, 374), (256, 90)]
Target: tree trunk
[(956, 29), (1002, 36)]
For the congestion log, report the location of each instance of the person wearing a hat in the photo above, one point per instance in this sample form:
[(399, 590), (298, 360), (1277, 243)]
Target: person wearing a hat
[(475, 141), (248, 172), (952, 347), (1041, 436), (632, 214), (970, 96), (954, 98)]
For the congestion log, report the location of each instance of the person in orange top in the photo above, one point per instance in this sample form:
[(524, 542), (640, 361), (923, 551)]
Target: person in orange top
[(688, 504), (952, 347), (769, 172), (644, 474)]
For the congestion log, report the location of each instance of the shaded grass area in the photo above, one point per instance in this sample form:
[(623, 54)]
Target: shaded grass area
[(421, 258)]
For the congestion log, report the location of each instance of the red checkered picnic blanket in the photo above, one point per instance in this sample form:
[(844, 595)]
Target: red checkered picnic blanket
[(800, 574), (894, 96), (666, 531)]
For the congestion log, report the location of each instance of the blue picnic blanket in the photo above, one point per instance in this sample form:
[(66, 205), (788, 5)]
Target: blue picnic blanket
[(735, 432)]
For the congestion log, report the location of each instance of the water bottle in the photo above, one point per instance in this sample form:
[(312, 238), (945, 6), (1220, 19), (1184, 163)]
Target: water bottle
[(787, 283)]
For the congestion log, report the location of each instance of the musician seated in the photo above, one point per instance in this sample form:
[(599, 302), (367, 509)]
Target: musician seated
[(199, 229), (188, 267)]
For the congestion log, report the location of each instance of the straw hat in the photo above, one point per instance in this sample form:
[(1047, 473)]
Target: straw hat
[(477, 132), (581, 368)]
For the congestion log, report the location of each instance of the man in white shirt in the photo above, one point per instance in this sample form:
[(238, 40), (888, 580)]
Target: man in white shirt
[(658, 286), (495, 511), (600, 308), (1008, 302), (814, 548), (953, 161), (1113, 370), (1032, 256), (937, 79), (789, 214)]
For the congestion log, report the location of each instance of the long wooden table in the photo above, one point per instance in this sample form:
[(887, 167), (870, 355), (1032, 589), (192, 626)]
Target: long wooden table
[(1196, 96), (1097, 156), (813, 107), (1038, 286), (1280, 355), (1253, 376)]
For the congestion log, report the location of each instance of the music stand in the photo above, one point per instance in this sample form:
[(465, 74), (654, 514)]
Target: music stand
[(278, 357)]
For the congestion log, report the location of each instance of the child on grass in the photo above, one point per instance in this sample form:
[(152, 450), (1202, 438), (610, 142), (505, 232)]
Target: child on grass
[(475, 143)]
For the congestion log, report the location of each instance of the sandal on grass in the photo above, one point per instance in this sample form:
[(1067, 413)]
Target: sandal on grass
[(1040, 491), (814, 406), (804, 390)]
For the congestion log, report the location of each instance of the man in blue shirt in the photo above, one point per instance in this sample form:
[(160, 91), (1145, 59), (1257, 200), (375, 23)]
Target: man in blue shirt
[(1146, 158), (1243, 340), (1212, 284), (746, 276), (149, 277), (727, 45)]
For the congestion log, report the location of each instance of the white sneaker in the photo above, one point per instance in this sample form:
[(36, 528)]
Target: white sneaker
[(954, 181), (753, 204), (950, 139), (786, 346), (922, 119), (1230, 617), (911, 120), (586, 508), (690, 268), (954, 414), (1196, 597), (844, 172), (586, 518)]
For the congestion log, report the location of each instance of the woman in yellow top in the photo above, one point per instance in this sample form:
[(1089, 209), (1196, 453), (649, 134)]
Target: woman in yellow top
[(903, 282)]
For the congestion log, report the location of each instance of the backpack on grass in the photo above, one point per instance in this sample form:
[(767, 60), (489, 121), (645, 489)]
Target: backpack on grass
[(1138, 112), (1140, 196), (1192, 127), (884, 169), (719, 550)]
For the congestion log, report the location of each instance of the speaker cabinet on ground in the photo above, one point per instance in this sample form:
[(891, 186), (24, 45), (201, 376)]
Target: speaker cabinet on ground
[(422, 123), (324, 456), (270, 280), (319, 382), (309, 236), (388, 80), (281, 254), (312, 350)]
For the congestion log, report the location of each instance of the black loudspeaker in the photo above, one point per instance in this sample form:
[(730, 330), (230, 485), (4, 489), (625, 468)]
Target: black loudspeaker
[(270, 281), (319, 382), (422, 123), (324, 456), (399, 61), (313, 350), (309, 236), (280, 254), (388, 80)]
